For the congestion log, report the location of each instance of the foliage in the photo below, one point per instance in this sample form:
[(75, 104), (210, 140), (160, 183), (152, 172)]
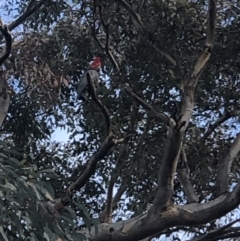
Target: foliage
[(51, 49)]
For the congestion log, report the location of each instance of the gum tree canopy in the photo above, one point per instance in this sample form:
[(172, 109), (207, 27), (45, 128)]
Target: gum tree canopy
[(153, 154)]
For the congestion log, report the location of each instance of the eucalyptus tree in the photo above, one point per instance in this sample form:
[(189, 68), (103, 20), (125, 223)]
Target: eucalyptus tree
[(154, 153)]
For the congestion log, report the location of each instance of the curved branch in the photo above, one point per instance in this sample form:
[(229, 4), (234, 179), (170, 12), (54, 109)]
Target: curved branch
[(8, 39)]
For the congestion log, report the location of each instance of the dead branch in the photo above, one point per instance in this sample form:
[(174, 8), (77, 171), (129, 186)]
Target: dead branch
[(160, 115), (29, 11), (227, 115), (183, 174), (102, 107), (8, 40), (225, 166)]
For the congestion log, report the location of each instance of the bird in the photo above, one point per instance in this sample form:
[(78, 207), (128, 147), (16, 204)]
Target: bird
[(93, 71)]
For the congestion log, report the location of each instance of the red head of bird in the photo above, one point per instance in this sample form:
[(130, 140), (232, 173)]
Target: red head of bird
[(96, 63)]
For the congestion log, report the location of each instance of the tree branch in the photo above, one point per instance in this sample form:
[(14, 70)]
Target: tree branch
[(106, 215), (145, 225), (8, 40), (227, 115), (176, 133), (107, 45), (160, 115), (225, 166), (107, 144), (29, 11), (218, 233), (183, 174), (102, 107)]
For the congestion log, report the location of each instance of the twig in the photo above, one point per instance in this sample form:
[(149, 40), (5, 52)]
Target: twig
[(160, 115), (8, 39), (102, 107)]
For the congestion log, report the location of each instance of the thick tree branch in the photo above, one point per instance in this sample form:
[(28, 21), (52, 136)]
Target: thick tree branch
[(176, 133), (225, 166), (107, 144), (183, 174), (145, 225), (160, 115), (29, 11)]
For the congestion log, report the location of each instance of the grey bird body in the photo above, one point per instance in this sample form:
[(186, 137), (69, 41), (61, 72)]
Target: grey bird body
[(82, 90)]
